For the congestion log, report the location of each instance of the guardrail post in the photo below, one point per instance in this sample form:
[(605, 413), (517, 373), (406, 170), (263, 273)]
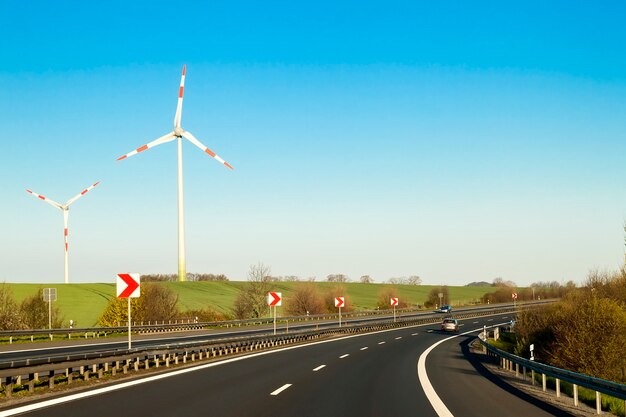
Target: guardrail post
[(517, 370), (575, 395), (543, 381), (532, 376), (558, 388), (598, 403), (524, 373), (8, 387), (10, 340)]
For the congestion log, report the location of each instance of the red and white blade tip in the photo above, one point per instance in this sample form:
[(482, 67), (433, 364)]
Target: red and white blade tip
[(184, 69)]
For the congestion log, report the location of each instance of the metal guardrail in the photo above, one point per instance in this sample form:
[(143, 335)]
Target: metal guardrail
[(507, 360), (189, 324)]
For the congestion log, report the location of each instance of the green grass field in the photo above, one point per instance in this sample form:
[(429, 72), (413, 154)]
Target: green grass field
[(84, 303)]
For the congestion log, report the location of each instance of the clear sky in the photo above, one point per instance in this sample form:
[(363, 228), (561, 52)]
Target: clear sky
[(455, 140)]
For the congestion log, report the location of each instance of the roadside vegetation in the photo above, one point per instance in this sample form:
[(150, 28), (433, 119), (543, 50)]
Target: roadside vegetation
[(31, 313), (584, 332)]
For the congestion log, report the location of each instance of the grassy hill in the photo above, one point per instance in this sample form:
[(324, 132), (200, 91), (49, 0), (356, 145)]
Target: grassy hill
[(84, 303)]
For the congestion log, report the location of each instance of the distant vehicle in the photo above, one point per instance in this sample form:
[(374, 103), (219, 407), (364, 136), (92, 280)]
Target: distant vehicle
[(450, 325), (444, 309)]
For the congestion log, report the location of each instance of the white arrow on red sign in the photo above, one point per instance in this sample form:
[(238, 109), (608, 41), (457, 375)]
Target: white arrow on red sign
[(394, 301), (128, 286), (339, 301), (274, 299)]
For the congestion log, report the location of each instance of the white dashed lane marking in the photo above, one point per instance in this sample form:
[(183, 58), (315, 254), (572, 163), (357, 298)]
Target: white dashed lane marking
[(399, 337), (344, 356), (281, 389), (414, 334), (364, 348), (318, 368), (381, 343)]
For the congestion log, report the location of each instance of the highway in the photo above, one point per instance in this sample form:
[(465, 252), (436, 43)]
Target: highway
[(372, 374), (24, 351)]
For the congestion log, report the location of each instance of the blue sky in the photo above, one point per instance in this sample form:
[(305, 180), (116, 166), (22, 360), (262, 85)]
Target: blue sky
[(458, 142)]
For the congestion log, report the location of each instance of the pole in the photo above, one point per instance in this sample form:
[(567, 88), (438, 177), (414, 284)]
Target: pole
[(274, 320), (49, 314), (182, 267), (66, 272), (129, 340), (394, 313), (340, 316)]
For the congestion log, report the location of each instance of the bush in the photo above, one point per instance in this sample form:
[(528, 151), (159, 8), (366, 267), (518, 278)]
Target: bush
[(304, 300), (384, 299), (34, 312), (433, 296), (9, 314), (156, 303)]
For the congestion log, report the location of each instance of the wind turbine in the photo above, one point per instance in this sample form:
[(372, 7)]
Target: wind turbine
[(66, 209), (179, 133)]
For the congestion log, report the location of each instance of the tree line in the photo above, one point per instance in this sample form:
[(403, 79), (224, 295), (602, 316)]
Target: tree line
[(584, 332)]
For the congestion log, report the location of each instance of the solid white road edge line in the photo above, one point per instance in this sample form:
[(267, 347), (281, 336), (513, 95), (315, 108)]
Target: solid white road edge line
[(422, 376), (281, 389), (122, 385), (318, 368)]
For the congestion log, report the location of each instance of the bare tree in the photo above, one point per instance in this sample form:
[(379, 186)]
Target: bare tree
[(251, 302), (414, 280), (337, 278), (366, 279)]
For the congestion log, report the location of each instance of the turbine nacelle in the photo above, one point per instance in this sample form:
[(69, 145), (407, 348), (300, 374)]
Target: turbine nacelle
[(178, 132)]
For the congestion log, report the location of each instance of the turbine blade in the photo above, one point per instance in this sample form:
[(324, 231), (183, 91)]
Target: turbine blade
[(163, 139), (46, 199), (179, 108), (82, 193), (196, 142)]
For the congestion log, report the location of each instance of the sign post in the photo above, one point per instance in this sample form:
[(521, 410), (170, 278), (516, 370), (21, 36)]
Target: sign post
[(339, 302), (274, 299), (49, 295), (394, 303), (514, 295), (440, 299), (128, 287)]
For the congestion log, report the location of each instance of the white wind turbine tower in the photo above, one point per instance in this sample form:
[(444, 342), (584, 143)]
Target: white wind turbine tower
[(66, 209), (179, 133)]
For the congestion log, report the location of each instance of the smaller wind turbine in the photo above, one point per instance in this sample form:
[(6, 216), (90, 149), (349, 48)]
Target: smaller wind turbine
[(65, 208)]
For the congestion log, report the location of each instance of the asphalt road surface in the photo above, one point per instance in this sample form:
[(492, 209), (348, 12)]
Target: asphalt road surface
[(365, 375)]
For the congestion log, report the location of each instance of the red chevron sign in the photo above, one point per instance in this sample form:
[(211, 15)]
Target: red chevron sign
[(128, 286), (339, 301), (274, 299), (394, 301)]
